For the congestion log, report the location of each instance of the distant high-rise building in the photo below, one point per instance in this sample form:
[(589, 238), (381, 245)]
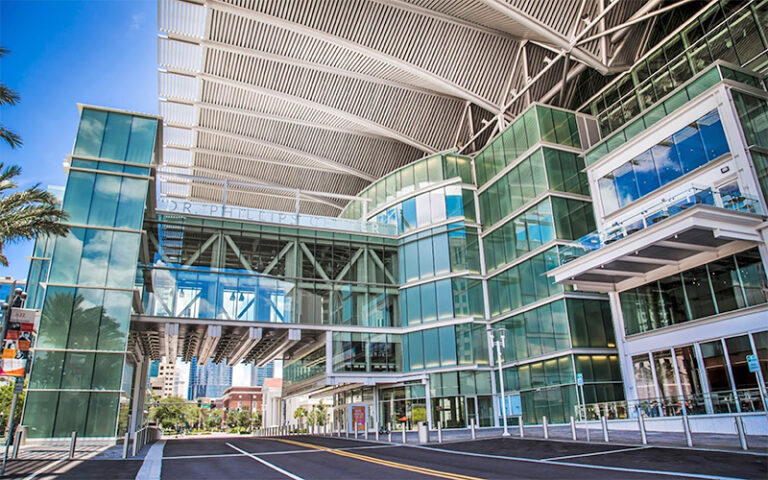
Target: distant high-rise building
[(209, 380), (259, 374)]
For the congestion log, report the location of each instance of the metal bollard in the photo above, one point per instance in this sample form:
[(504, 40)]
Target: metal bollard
[(522, 428), (439, 432), (472, 428), (126, 441), (16, 443), (740, 430), (389, 432), (641, 424), (376, 431), (365, 428), (573, 428), (687, 430), (355, 430), (604, 421), (404, 441), (545, 424), (72, 446)]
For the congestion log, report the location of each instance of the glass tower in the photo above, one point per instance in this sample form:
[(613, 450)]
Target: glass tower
[(81, 377)]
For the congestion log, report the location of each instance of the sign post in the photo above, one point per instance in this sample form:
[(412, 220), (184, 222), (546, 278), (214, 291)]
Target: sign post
[(754, 366), (17, 334), (583, 402)]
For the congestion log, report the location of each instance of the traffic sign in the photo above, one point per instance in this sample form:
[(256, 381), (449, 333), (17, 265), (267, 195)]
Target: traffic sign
[(18, 386), (579, 379), (754, 365)]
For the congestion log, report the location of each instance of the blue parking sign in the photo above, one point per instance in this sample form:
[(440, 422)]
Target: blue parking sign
[(579, 379), (753, 364)]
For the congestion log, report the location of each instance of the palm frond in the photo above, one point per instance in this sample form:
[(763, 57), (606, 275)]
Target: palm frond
[(25, 214), (10, 137), (8, 96)]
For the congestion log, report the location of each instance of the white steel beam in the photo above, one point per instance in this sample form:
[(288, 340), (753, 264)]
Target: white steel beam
[(370, 125), (429, 77), (545, 33), (328, 163)]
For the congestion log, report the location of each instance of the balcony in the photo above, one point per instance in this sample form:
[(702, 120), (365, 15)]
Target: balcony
[(695, 226)]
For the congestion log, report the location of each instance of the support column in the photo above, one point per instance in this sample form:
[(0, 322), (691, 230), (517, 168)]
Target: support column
[(429, 403), (138, 396), (625, 360)]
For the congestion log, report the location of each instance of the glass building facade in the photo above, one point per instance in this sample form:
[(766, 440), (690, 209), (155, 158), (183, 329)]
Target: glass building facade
[(80, 378), (400, 294)]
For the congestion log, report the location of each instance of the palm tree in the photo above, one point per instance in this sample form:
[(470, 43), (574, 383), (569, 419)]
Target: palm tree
[(25, 214), (8, 97), (299, 414)]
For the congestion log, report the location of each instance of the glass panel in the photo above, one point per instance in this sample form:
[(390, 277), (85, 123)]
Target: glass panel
[(90, 133), (130, 210), (77, 199), (698, 292), (116, 136)]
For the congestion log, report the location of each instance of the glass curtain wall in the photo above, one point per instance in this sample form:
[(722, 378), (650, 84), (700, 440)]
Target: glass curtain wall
[(703, 378), (261, 273), (728, 284), (77, 382)]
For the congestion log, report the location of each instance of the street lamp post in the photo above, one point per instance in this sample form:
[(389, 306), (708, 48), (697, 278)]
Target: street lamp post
[(500, 341)]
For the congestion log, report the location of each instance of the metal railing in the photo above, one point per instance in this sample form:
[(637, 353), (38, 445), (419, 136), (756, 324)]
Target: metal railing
[(747, 400), (662, 210)]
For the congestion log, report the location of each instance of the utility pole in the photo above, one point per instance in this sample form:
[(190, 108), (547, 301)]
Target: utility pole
[(500, 341)]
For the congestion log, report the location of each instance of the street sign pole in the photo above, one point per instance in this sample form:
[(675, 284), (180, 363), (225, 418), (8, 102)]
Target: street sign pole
[(754, 366), (583, 403), (17, 299)]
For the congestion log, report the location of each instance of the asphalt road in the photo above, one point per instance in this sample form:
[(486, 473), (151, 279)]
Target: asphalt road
[(307, 457)]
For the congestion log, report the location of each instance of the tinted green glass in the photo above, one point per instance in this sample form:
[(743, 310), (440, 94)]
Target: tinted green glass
[(77, 199), (107, 370), (39, 413), (123, 258), (95, 257), (102, 414), (47, 369), (116, 136), (66, 257), (71, 414), (55, 318), (78, 370), (104, 201), (130, 210), (447, 346), (90, 133)]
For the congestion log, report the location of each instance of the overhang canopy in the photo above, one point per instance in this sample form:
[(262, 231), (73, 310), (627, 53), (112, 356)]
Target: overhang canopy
[(698, 235)]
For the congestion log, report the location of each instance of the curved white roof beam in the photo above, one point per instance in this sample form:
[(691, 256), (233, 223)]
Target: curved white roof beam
[(429, 77), (368, 124), (332, 164)]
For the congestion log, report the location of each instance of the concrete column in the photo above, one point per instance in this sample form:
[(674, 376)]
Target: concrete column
[(138, 395)]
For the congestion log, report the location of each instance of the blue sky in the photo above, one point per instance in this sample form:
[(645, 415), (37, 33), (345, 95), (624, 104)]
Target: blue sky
[(100, 52)]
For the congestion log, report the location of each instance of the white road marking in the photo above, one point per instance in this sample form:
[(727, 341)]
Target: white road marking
[(602, 452), (578, 465), (262, 461), (280, 452), (43, 469)]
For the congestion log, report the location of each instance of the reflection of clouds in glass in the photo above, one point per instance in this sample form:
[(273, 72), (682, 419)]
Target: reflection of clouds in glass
[(93, 267), (67, 257), (123, 258), (89, 134)]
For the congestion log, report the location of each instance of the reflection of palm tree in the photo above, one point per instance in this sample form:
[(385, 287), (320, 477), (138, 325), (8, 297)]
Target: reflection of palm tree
[(65, 311), (91, 328)]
